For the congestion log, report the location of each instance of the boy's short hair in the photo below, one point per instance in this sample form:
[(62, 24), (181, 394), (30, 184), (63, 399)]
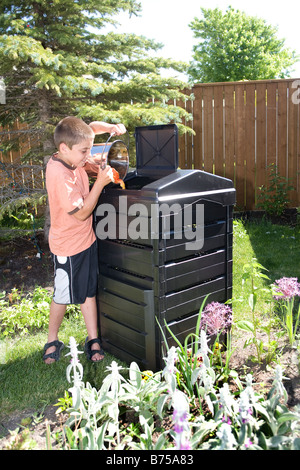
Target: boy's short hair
[(71, 131)]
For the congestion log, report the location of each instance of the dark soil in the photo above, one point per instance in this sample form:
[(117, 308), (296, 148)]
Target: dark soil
[(25, 263)]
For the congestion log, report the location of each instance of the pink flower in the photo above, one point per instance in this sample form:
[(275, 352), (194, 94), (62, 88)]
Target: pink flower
[(181, 421), (248, 443), (226, 420), (215, 318), (287, 288)]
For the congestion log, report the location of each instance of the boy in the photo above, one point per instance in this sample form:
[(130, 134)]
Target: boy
[(71, 238)]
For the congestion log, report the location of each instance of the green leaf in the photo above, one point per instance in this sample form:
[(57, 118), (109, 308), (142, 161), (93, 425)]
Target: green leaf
[(296, 444), (262, 441), (161, 441), (252, 301), (278, 441), (289, 416), (245, 325), (135, 375), (195, 374), (160, 405)]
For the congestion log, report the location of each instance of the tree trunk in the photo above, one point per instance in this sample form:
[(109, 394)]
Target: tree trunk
[(44, 115)]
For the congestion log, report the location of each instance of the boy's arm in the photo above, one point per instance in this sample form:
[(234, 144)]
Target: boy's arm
[(91, 167), (100, 127), (103, 178)]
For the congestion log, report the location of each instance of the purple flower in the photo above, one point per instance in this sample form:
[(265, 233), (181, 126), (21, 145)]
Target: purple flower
[(248, 443), (181, 421), (245, 415), (287, 288), (215, 318), (226, 420)]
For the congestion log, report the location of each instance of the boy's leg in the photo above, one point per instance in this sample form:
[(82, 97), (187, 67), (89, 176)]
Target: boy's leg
[(89, 312), (57, 312)]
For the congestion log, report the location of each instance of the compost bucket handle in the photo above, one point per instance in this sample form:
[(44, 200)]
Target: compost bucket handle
[(103, 163)]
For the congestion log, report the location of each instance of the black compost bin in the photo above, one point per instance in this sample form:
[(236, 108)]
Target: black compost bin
[(164, 242)]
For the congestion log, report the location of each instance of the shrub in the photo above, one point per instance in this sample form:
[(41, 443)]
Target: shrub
[(273, 197)]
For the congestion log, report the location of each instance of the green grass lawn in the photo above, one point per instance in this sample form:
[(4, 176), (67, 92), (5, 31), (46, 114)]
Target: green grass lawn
[(275, 247), (26, 382)]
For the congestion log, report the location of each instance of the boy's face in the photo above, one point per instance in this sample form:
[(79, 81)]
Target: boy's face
[(78, 154)]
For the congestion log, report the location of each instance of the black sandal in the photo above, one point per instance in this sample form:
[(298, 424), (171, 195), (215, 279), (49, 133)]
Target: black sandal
[(59, 345), (91, 352)]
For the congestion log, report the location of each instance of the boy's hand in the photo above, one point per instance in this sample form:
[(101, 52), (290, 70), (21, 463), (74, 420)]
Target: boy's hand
[(105, 176), (118, 129)]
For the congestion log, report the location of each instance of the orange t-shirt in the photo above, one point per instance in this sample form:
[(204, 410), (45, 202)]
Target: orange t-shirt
[(67, 188)]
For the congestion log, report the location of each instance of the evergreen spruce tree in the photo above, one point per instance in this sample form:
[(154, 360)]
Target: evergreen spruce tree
[(56, 60)]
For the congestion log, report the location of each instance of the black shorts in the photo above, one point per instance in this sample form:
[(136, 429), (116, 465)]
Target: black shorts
[(76, 277)]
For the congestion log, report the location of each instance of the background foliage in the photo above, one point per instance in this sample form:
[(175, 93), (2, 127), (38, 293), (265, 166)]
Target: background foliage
[(56, 61), (234, 46)]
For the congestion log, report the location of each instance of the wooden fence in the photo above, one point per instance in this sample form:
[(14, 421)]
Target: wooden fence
[(25, 140), (240, 129), (18, 180)]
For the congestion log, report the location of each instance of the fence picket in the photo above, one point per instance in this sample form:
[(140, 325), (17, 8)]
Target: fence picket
[(250, 148), (208, 130), (271, 102), (282, 129), (293, 125), (240, 144), (198, 139), (219, 168), (229, 132)]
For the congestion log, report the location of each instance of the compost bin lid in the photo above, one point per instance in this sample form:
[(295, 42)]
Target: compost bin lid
[(156, 150), (193, 185)]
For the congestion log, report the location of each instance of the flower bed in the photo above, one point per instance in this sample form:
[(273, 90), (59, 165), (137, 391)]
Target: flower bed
[(197, 402)]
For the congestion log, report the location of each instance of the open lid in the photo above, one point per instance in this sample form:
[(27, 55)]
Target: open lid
[(156, 150)]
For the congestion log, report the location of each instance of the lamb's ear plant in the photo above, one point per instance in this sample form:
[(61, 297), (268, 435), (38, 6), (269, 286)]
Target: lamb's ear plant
[(93, 418), (233, 422), (189, 358), (95, 422), (280, 427), (142, 392)]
